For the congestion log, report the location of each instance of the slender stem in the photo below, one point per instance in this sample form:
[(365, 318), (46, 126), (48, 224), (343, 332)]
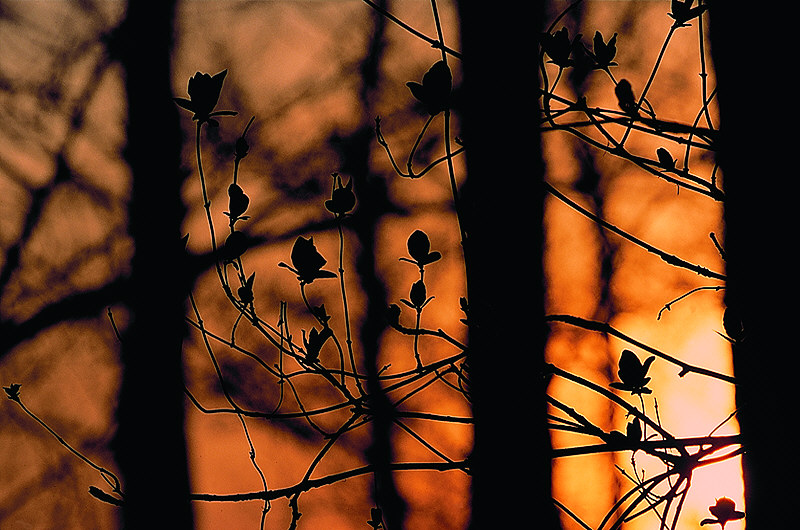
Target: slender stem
[(703, 72), (207, 207), (317, 459), (310, 483), (668, 305), (416, 340), (422, 441), (574, 517), (321, 369), (383, 143), (236, 162), (414, 148), (229, 399), (206, 201), (348, 331), (114, 324), (434, 43), (653, 73), (447, 141), (452, 175), (668, 258), (110, 478)]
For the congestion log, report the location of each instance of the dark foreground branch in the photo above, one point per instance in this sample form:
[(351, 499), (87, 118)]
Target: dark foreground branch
[(310, 484), (602, 327)]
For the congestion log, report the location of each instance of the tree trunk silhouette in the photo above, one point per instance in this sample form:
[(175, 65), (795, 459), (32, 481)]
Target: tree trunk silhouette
[(759, 218), (150, 444), (503, 203)]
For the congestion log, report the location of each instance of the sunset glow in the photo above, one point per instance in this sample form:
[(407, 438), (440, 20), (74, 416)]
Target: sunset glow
[(644, 296), (277, 362)]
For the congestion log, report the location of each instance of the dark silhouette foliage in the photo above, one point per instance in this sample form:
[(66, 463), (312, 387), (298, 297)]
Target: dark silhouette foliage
[(204, 90), (633, 373), (434, 92), (336, 379)]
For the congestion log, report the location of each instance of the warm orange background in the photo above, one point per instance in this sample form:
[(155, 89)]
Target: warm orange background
[(641, 284), (294, 65)]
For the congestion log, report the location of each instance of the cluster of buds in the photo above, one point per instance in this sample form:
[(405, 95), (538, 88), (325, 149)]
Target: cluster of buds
[(419, 250)]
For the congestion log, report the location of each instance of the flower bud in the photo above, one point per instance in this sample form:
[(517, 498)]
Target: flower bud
[(418, 294)]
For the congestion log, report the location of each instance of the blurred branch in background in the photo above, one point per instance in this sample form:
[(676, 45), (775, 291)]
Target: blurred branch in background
[(284, 251), (293, 175), (615, 108), (64, 248)]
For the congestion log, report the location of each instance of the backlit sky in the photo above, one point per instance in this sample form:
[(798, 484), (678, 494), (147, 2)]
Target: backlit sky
[(294, 65)]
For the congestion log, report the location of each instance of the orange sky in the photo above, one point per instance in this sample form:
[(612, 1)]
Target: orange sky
[(678, 222), (294, 66)]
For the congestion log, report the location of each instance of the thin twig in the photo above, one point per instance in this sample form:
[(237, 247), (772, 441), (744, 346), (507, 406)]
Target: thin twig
[(668, 258), (602, 327)]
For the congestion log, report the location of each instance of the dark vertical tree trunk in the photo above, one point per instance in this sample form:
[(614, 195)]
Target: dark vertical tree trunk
[(503, 203), (150, 443), (760, 182)]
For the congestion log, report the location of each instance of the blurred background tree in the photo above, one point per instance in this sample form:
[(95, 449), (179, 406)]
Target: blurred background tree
[(314, 76)]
